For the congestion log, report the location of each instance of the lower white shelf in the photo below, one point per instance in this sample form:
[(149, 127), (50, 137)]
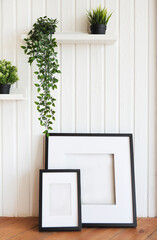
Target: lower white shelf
[(16, 94)]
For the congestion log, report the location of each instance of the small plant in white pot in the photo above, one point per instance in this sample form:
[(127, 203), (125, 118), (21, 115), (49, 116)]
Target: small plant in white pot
[(98, 19), (8, 76)]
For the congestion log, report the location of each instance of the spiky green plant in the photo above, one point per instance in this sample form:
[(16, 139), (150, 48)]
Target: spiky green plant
[(98, 16)]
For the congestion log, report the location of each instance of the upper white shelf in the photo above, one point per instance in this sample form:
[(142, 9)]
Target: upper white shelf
[(15, 94), (82, 38)]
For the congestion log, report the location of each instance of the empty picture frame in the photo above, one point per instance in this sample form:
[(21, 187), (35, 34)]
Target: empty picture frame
[(107, 175), (59, 200)]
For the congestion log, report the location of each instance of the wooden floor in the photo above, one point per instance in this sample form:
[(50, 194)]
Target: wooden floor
[(27, 228)]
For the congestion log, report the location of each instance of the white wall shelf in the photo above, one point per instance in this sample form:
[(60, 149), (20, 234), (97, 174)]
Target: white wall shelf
[(82, 38), (16, 94)]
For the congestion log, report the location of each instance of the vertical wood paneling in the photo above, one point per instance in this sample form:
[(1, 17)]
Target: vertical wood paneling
[(82, 75), (68, 84), (38, 10), (111, 103), (9, 160), (82, 69), (126, 67), (152, 167), (9, 115), (82, 24), (23, 114), (111, 91), (68, 15), (96, 3), (97, 82), (141, 104), (68, 69)]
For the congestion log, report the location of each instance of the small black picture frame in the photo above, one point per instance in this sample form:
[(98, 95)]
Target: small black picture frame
[(59, 200), (72, 150)]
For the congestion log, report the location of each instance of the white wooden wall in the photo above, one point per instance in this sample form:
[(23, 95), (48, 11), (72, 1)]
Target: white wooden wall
[(101, 89)]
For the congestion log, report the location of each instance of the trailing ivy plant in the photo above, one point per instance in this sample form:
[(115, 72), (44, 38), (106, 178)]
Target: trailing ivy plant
[(40, 46)]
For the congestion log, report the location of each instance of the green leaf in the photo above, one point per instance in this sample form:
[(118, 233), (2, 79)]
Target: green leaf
[(47, 134), (48, 103), (45, 131)]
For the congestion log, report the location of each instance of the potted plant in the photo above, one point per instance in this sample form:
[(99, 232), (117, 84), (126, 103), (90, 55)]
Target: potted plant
[(40, 46), (98, 19), (8, 76)]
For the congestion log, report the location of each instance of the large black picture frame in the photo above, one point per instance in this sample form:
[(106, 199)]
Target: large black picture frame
[(132, 176), (77, 198)]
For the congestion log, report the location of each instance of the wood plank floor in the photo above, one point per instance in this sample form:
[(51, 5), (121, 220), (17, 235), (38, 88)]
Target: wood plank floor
[(27, 229)]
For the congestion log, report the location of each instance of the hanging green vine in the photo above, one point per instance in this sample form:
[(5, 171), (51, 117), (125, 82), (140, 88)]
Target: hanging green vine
[(40, 46)]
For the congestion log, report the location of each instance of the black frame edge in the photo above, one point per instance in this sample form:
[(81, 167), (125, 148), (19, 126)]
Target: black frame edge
[(109, 225), (92, 134), (46, 151), (79, 199), (133, 181), (52, 229), (40, 199)]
